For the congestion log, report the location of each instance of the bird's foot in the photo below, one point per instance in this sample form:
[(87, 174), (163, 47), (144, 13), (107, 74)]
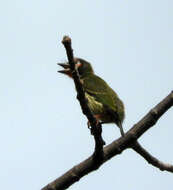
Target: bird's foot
[(89, 125), (91, 128), (99, 130)]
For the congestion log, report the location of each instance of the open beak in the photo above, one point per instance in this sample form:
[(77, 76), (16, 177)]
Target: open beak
[(66, 69)]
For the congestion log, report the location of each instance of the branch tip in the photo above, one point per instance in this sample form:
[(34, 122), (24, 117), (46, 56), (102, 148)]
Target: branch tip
[(66, 40)]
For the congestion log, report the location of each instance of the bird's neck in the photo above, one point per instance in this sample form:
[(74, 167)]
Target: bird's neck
[(87, 74)]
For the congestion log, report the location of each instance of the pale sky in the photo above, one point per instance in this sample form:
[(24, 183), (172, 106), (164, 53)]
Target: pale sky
[(43, 131)]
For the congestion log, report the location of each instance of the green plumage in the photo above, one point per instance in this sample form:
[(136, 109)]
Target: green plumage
[(102, 99)]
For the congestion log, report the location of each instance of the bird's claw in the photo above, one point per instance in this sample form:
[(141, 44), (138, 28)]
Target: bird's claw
[(88, 124)]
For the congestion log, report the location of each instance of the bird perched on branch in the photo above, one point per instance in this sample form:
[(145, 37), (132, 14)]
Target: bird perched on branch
[(101, 98)]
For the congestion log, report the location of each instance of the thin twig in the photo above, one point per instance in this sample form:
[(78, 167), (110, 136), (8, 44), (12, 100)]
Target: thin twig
[(151, 159)]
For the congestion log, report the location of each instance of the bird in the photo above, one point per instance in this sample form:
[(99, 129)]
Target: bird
[(102, 100)]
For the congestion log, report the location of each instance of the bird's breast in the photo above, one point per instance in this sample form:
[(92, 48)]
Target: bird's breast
[(95, 106), (98, 109)]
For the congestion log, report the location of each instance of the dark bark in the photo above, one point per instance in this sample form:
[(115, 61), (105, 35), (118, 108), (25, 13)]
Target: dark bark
[(96, 128)]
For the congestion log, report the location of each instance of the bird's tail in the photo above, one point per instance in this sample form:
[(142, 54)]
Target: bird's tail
[(121, 129)]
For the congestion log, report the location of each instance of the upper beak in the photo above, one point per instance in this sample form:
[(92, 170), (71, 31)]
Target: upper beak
[(64, 65), (66, 69)]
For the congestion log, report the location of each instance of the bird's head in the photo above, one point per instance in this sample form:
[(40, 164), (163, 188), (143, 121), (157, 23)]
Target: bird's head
[(83, 67)]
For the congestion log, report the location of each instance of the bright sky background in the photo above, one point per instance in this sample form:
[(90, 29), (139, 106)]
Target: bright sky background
[(43, 131)]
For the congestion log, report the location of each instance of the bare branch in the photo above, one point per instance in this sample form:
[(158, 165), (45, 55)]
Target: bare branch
[(95, 127), (117, 146), (151, 159)]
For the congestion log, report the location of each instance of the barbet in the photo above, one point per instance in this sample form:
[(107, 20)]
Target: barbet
[(101, 98)]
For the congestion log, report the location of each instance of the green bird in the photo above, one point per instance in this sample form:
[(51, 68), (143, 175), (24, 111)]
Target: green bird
[(102, 100)]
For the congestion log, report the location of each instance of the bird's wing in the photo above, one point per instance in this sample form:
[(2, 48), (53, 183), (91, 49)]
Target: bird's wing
[(100, 90)]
